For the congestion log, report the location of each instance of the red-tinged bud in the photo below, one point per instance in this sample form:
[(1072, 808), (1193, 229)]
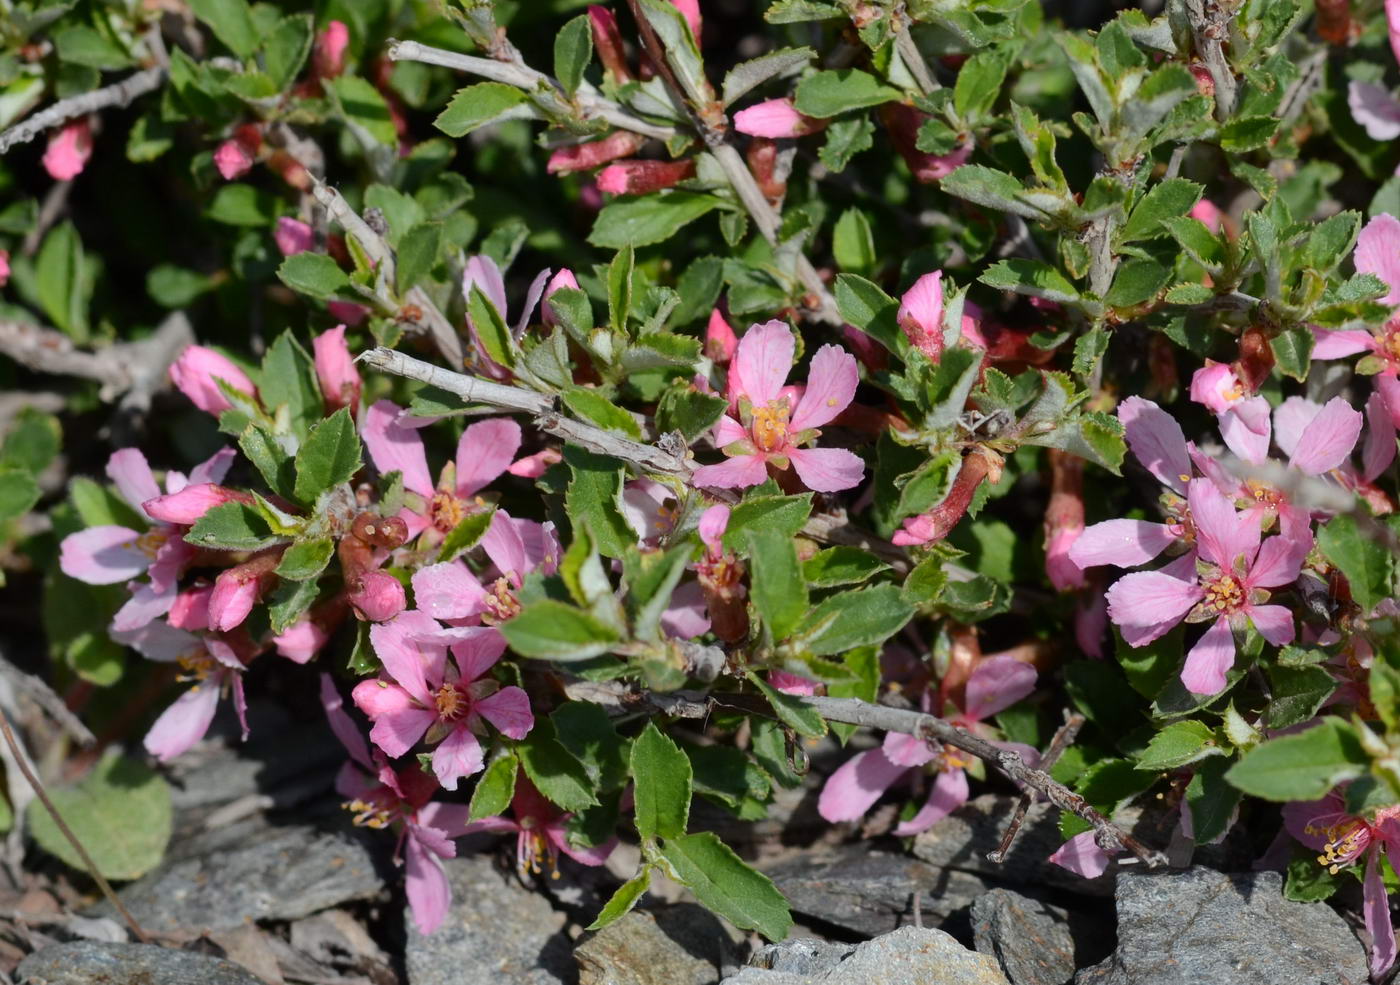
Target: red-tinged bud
[(762, 156), (920, 315), (190, 610), (1333, 21), (1064, 519), (777, 119), (977, 465), (335, 370), (607, 39), (293, 236), (238, 589), (290, 170), (903, 123), (1256, 359), (643, 177), (376, 596), (197, 372), (4, 267), (189, 504), (380, 531), (1205, 83), (328, 59), (964, 653), (720, 340), (586, 156), (69, 149), (563, 280)]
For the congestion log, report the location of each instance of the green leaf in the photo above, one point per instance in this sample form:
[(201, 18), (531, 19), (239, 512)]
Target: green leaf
[(288, 383), (328, 457), (306, 559), (991, 188), (63, 281), (573, 50), (1247, 133), (841, 566), (723, 883), (465, 535), (364, 106), (1178, 744), (231, 527), (477, 105), (797, 716), (240, 204), (785, 514), (929, 486), (845, 138), (1088, 350), (313, 274), (1167, 200), (856, 618), (649, 219), (276, 465), (553, 769), (551, 630), (417, 254), (853, 243), (18, 492), (1331, 240), (1137, 281), (661, 773), (746, 76), (778, 590), (232, 23), (286, 49), (622, 901), (836, 91), (33, 441), (491, 327), (496, 788), (620, 288), (1308, 880), (869, 309), (586, 731), (683, 408), (120, 812), (979, 83), (1032, 278), (1293, 351), (1211, 800), (1296, 694), (594, 500), (1362, 557), (175, 287), (289, 602), (83, 45), (1304, 766)]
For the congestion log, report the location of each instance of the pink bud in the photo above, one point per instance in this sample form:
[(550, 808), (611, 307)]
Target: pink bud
[(293, 236), (534, 466), (720, 340), (301, 641), (1216, 387), (713, 522), (335, 369), (352, 314), (4, 267), (903, 123), (377, 596), (196, 371), (775, 118), (233, 159), (189, 504), (1063, 573), (328, 61), (190, 610), (608, 40), (1209, 214), (787, 683), (642, 177), (235, 593), (68, 150), (563, 280), (582, 157), (871, 354), (690, 10), (921, 315)]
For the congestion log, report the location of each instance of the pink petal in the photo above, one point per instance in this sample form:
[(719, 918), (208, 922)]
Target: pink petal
[(1208, 214), (922, 307), (1274, 622), (68, 150), (1317, 815), (457, 756), (906, 750), (212, 469), (687, 615), (1209, 659), (1378, 252), (509, 710), (1123, 543), (1388, 386), (505, 546), (477, 650), (1335, 345), (1375, 109), (397, 732), (481, 271), (1280, 559), (190, 503), (1222, 533), (563, 279), (1246, 442), (1376, 907), (1379, 449), (233, 598), (411, 663), (102, 555), (728, 431), (146, 603), (233, 159), (996, 684), (293, 236), (738, 472), (534, 466), (1215, 386), (1156, 440), (335, 370), (831, 386), (1150, 600), (827, 469), (948, 793), (161, 642), (1060, 568), (425, 884), (449, 821), (854, 788), (1082, 856), (184, 723), (329, 58), (395, 448), (448, 591), (542, 550), (720, 340), (485, 451), (762, 363), (713, 522), (595, 855), (1392, 20), (1329, 439), (128, 469), (788, 683), (775, 118), (195, 374), (1291, 419), (342, 726)]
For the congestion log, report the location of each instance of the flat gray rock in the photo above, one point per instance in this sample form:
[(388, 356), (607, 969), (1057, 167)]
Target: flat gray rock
[(93, 963), (801, 956), (907, 956), (497, 931), (1030, 940), (284, 873), (1202, 927), (675, 945), (872, 893)]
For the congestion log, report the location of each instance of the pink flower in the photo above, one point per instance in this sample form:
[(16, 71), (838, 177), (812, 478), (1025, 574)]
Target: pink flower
[(376, 596), (563, 280), (720, 341), (1230, 588), (1342, 838), (776, 118), (335, 370), (233, 159), (482, 272), (585, 156), (69, 150), (451, 592), (1208, 214), (420, 691), (382, 797), (1082, 856), (328, 58), (995, 684), (921, 315), (1244, 420), (542, 832), (197, 372), (293, 236), (770, 429), (484, 451)]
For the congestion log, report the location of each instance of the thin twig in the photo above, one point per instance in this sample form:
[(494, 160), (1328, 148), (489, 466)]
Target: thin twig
[(117, 94), (62, 825), (124, 368), (910, 54), (55, 201), (1064, 735), (44, 696), (1209, 22)]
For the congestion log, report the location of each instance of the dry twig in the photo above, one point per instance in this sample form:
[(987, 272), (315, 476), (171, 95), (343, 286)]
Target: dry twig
[(117, 94), (1064, 736)]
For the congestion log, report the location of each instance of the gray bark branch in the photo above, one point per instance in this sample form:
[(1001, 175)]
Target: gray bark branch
[(117, 94)]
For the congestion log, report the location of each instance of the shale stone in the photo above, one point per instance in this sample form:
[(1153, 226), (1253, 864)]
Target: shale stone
[(93, 963), (674, 945), (1199, 926), (1030, 940), (907, 956)]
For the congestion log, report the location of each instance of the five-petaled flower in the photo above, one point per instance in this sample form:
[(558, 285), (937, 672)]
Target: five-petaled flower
[(542, 832)]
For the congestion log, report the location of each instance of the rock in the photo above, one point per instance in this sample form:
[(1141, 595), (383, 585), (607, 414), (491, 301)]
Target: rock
[(497, 931), (674, 945), (907, 956), (1202, 926), (801, 956), (93, 963), (283, 874), (1030, 940), (871, 893)]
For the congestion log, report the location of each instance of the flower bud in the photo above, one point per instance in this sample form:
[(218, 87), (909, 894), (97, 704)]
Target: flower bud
[(335, 370), (643, 177), (777, 118), (377, 596), (380, 531), (328, 58), (238, 589), (195, 373), (4, 267), (1064, 520), (921, 315), (189, 504), (608, 40), (593, 153), (69, 150), (563, 280), (293, 236), (720, 340)]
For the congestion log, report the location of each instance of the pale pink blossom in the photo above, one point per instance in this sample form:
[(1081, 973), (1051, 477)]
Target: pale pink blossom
[(776, 118), (996, 683), (233, 159), (69, 150), (335, 370), (452, 592), (197, 372), (420, 692), (293, 236), (542, 832), (1244, 420), (1375, 109), (1082, 856), (771, 426)]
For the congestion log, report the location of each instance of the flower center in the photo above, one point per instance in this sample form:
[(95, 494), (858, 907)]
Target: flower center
[(377, 812), (1262, 492), (151, 542), (1345, 840), (720, 575), (1224, 594), (451, 702), (446, 510), (533, 850), (501, 603), (196, 664), (1391, 344), (770, 426)]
